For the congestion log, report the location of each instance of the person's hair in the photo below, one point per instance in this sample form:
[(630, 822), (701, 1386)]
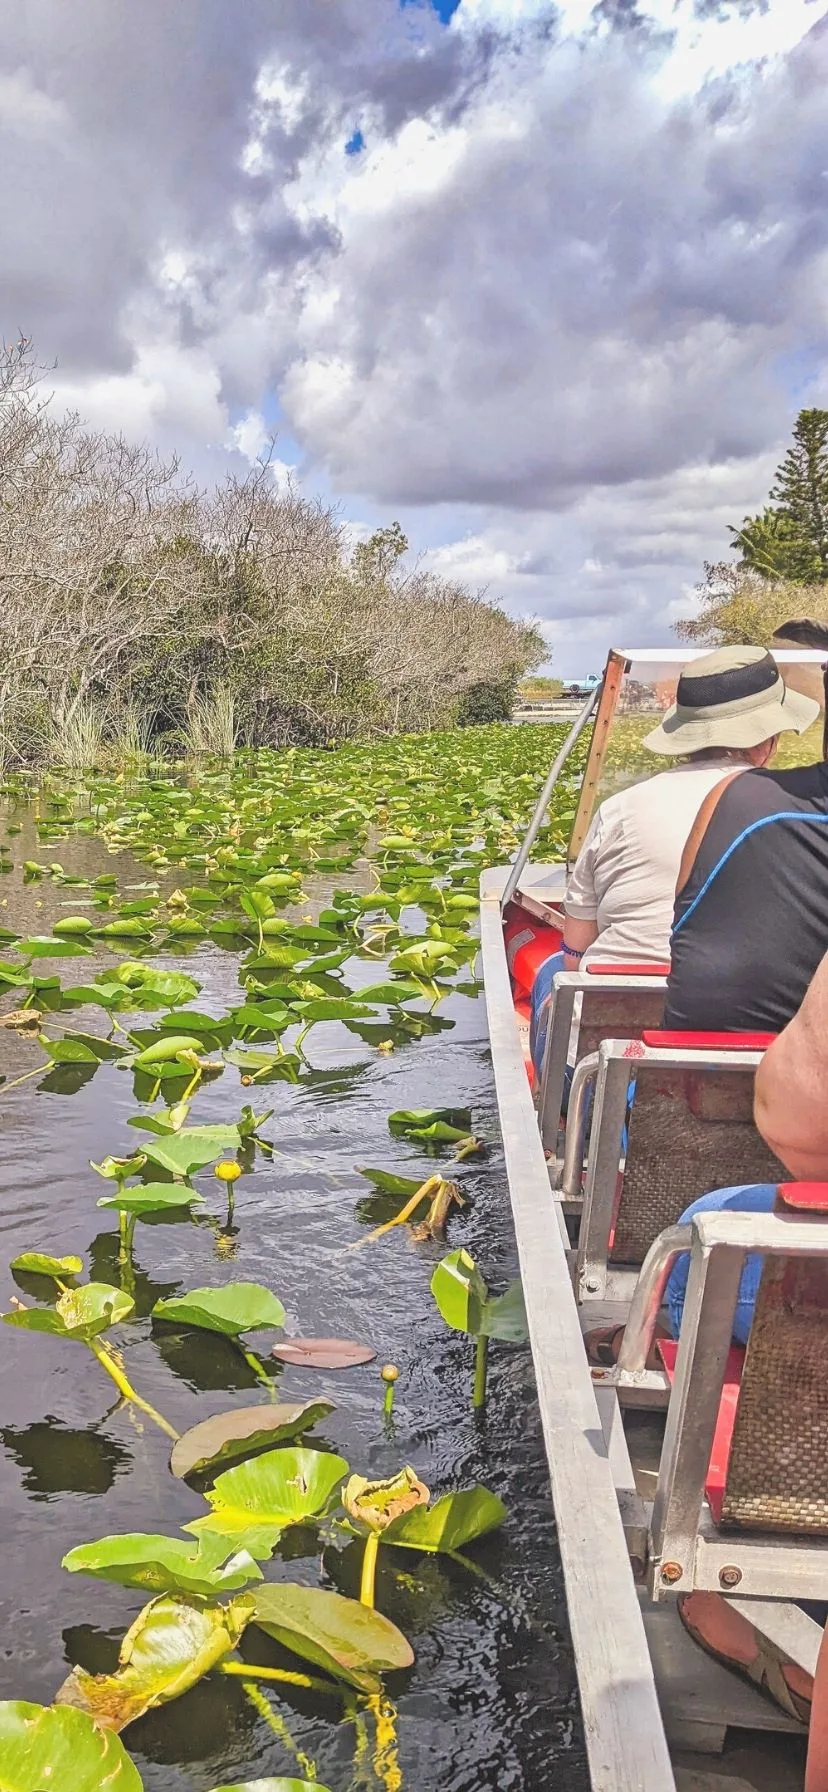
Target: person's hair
[(737, 754)]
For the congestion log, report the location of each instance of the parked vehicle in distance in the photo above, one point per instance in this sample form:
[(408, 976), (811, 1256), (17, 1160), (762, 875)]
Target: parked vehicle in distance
[(581, 687)]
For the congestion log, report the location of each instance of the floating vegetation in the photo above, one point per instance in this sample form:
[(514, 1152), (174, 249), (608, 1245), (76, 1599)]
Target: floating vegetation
[(399, 830)]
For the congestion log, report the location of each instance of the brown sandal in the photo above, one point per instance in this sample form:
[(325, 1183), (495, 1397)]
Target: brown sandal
[(765, 1672), (603, 1345)]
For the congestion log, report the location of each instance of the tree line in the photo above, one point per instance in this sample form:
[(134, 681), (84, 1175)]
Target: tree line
[(781, 568), (137, 607)]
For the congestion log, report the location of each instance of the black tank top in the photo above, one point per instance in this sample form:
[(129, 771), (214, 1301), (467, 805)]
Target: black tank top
[(751, 924)]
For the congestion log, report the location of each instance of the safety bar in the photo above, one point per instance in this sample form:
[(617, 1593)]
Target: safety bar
[(645, 1306), (543, 801), (583, 1077)]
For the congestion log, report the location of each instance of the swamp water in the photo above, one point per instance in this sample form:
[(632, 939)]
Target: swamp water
[(491, 1699)]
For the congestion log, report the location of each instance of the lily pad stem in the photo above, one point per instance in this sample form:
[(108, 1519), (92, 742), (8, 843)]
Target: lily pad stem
[(254, 1364), (244, 1670), (369, 1569), (125, 1387), (481, 1357)]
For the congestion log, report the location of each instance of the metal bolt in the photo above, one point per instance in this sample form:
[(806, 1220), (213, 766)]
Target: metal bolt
[(591, 1285), (671, 1572), (730, 1577)]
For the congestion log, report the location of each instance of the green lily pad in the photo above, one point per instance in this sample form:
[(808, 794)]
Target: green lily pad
[(341, 1636), (48, 1745), (79, 1048), (193, 1148), (45, 945), (233, 1436), (39, 1263), (238, 1307), (152, 1197), (81, 1313), (273, 1786), (466, 1305), (166, 1564), (452, 1522), (439, 1125), (256, 1501), (173, 1643)]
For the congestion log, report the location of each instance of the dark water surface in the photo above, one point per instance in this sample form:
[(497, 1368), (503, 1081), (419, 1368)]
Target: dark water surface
[(491, 1700)]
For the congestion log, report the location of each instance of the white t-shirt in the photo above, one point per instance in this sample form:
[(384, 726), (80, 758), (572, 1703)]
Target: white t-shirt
[(625, 874)]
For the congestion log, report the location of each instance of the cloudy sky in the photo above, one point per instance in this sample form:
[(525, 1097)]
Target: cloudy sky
[(545, 282)]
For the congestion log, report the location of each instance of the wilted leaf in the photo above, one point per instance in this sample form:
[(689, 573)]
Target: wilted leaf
[(374, 1504), (173, 1643), (238, 1307), (345, 1638), (233, 1436), (48, 1745), (256, 1501), (165, 1564)]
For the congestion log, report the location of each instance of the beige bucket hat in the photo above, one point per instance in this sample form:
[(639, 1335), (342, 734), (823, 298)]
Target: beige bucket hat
[(735, 697)]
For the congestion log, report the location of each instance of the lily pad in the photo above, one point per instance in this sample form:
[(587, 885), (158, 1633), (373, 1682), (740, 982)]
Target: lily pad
[(173, 1643), (323, 1353), (256, 1501), (81, 1313), (433, 1125), (452, 1522), (236, 1308), (345, 1638), (193, 1148), (44, 1745), (39, 1263), (273, 1786), (166, 1564), (234, 1436), (152, 1197), (466, 1305)]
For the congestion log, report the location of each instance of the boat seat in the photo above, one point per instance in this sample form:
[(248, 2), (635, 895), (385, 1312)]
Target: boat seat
[(742, 1493), (599, 1002), (669, 1123)]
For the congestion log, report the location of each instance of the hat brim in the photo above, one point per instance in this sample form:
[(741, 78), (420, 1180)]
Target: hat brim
[(683, 731)]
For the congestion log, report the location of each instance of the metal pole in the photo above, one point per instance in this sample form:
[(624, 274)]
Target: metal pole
[(542, 804)]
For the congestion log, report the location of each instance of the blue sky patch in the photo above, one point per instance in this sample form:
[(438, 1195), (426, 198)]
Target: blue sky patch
[(355, 143), (443, 8)]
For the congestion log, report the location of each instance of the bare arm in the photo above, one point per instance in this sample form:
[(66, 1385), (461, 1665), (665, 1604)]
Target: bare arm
[(699, 829), (577, 936), (791, 1099)]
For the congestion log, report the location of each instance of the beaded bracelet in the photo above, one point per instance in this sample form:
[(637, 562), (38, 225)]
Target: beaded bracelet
[(571, 952)]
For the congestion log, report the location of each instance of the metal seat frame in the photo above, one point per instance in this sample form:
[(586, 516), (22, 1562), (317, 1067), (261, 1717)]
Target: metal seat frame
[(626, 1005), (609, 1070)]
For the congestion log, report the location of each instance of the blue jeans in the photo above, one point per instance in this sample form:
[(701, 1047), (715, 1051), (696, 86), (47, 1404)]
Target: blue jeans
[(542, 1005), (759, 1197)]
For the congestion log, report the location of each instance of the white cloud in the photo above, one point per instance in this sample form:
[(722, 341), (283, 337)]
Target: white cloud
[(556, 315)]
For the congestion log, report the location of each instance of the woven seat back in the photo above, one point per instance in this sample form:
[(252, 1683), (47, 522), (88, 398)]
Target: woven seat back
[(690, 1131), (616, 1014), (777, 1475)]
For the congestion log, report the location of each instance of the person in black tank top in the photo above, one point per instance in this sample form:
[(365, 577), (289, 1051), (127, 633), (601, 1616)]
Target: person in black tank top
[(751, 923)]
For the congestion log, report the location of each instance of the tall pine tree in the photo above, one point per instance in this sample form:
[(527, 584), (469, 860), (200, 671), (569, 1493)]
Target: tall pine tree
[(800, 497)]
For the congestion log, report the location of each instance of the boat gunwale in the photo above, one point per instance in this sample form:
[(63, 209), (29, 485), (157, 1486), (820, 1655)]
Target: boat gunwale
[(623, 1729)]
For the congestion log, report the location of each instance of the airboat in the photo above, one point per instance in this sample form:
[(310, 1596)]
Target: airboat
[(707, 1470)]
